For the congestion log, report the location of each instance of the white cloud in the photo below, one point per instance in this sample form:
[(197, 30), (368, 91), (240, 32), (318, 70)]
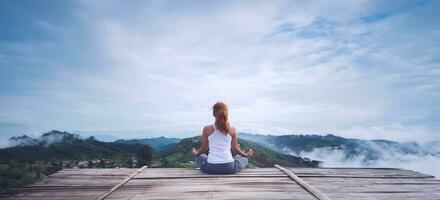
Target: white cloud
[(395, 131), (388, 157), (281, 66)]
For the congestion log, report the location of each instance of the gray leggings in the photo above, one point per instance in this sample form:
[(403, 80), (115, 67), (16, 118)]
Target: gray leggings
[(239, 163)]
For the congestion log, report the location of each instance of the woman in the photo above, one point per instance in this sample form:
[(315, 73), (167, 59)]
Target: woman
[(219, 138)]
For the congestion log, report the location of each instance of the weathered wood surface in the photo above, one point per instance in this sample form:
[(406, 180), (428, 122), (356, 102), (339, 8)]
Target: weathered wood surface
[(312, 190), (261, 183), (71, 184), (358, 173), (370, 183), (171, 173), (122, 183)]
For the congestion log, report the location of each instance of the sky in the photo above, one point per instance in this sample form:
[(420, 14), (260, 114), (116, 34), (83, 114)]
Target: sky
[(136, 69)]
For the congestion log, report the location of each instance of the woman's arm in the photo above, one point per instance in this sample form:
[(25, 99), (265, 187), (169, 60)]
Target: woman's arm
[(204, 143), (236, 148)]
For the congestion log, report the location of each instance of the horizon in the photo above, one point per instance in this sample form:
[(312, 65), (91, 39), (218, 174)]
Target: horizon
[(111, 138), (364, 69)]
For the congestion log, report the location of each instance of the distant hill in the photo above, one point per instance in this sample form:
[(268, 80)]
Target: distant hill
[(366, 150), (170, 152), (157, 143), (263, 157), (57, 145), (32, 159)]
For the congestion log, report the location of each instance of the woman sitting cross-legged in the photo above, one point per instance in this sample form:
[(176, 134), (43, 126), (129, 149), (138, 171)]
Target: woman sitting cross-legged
[(219, 138)]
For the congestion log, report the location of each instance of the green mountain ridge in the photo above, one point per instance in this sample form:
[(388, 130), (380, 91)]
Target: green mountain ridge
[(32, 159), (180, 154), (368, 150), (157, 143), (57, 145)]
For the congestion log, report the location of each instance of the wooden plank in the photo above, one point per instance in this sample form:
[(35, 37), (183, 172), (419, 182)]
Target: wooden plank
[(315, 192), (358, 173), (122, 183), (393, 188), (190, 184), (90, 185), (171, 173), (212, 188)]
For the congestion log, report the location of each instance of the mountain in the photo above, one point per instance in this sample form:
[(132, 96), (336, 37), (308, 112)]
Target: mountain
[(23, 140), (157, 143), (57, 145), (32, 159), (179, 155), (366, 151)]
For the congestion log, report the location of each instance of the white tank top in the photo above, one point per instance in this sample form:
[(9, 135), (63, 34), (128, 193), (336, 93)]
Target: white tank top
[(219, 148)]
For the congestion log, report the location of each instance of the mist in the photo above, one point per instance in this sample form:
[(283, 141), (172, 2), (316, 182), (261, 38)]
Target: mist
[(426, 163), (45, 139)]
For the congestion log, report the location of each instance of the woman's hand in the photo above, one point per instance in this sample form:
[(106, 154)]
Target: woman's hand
[(194, 152), (250, 153)]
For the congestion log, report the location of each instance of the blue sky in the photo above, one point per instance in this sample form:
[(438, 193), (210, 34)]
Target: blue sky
[(363, 69)]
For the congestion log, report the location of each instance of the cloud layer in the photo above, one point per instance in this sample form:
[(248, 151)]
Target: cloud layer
[(360, 69), (425, 163)]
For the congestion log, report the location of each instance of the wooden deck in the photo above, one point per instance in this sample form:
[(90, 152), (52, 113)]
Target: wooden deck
[(260, 183)]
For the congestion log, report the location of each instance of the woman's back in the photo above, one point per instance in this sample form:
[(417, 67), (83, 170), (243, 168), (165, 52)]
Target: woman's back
[(218, 139), (219, 147)]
